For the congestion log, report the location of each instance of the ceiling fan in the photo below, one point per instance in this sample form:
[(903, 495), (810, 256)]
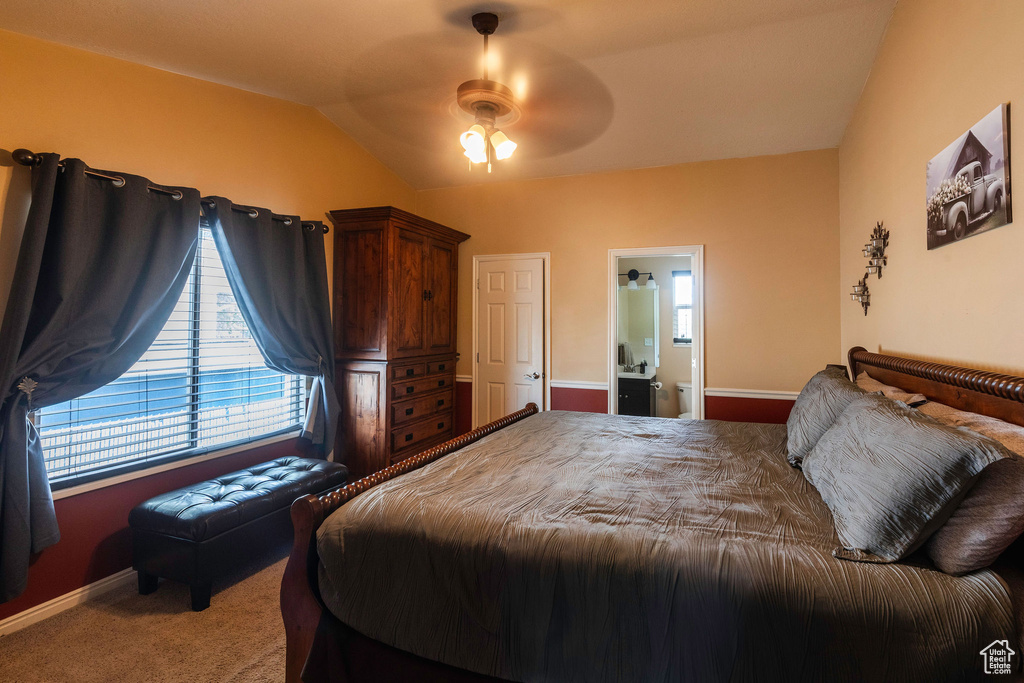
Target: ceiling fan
[(488, 102)]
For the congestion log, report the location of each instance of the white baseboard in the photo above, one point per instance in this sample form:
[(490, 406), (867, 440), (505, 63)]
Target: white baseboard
[(753, 393), (18, 621), (463, 378), (578, 384)]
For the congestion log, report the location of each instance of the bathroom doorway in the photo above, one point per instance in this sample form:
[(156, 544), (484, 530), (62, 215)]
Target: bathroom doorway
[(656, 332)]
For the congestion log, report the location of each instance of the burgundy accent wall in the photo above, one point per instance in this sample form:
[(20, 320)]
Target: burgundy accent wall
[(95, 541), (580, 400), (735, 409), (730, 408), (463, 407)]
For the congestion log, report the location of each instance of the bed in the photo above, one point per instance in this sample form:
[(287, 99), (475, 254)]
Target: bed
[(579, 547)]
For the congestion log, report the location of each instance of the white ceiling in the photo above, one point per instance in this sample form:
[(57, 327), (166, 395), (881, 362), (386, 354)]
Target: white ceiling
[(604, 84)]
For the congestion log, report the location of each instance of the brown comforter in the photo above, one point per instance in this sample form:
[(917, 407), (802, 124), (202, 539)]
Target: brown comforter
[(580, 547)]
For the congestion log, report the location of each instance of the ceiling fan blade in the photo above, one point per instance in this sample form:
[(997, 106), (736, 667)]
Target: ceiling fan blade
[(412, 99)]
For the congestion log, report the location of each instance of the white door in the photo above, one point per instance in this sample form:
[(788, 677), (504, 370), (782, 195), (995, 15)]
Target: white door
[(510, 337)]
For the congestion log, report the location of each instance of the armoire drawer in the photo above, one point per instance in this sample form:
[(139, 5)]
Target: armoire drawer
[(411, 371), (416, 387), (418, 408), (407, 437), (436, 367)]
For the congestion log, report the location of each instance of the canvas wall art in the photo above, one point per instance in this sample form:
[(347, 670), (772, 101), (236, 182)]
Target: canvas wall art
[(969, 182)]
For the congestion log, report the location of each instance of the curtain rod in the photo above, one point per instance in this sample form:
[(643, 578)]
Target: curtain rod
[(27, 158)]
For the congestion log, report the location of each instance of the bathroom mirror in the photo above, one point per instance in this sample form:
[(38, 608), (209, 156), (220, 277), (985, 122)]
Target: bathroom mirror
[(638, 326)]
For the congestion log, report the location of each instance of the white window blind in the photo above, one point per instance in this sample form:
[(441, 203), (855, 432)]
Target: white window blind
[(201, 385)]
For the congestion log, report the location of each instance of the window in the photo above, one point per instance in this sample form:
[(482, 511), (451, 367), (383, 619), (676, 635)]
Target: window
[(682, 296), (201, 385)]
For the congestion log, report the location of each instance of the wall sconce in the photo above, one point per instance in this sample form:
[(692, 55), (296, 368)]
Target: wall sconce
[(860, 293), (634, 275), (874, 250)]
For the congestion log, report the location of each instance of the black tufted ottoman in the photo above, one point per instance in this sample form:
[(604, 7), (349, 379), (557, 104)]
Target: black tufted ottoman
[(198, 532)]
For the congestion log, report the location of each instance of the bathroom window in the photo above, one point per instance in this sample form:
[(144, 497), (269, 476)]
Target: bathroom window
[(682, 299)]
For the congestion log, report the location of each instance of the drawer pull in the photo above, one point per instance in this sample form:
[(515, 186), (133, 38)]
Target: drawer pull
[(408, 437), (409, 390), (440, 367), (408, 411), (440, 402), (440, 382), (440, 425), (410, 372)]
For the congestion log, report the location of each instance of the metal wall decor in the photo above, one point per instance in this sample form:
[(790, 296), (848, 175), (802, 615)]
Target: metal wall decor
[(860, 293), (874, 251)]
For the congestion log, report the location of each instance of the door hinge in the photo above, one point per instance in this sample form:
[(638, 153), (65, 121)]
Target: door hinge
[(478, 283), (478, 357)]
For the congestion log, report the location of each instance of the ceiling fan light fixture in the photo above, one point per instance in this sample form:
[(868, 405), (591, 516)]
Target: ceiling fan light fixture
[(487, 101), (503, 147)]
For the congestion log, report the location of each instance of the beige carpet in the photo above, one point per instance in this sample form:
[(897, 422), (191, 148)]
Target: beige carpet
[(124, 636)]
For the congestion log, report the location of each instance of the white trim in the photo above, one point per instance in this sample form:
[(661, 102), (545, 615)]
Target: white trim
[(545, 256), (753, 393), (463, 378), (33, 615), (173, 465), (574, 384), (696, 254)]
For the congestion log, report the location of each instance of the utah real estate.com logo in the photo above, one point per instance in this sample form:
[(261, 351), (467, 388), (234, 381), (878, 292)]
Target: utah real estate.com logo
[(997, 657)]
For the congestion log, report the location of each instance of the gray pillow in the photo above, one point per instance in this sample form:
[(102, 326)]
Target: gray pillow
[(991, 515), (820, 402), (891, 476)]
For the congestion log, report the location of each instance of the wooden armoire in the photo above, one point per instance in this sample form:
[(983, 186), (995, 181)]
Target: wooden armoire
[(395, 309)]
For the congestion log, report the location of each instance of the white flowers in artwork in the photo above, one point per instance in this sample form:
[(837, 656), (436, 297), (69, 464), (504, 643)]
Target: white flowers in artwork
[(948, 190)]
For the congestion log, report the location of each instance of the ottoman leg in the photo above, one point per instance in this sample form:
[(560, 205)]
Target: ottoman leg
[(200, 596), (147, 583)]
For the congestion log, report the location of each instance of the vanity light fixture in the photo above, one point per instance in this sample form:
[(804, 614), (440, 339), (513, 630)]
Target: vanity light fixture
[(634, 275)]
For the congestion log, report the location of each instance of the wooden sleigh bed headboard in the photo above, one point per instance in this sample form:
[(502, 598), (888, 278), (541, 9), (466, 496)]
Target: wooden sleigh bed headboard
[(987, 393)]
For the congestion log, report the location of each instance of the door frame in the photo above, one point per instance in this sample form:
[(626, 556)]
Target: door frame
[(696, 254), (545, 256)]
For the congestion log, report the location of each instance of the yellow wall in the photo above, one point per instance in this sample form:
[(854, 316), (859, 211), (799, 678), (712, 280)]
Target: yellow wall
[(943, 65), (174, 130), (769, 224), (770, 230)]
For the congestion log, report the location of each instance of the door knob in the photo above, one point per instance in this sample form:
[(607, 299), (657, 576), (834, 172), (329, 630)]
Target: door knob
[(535, 375)]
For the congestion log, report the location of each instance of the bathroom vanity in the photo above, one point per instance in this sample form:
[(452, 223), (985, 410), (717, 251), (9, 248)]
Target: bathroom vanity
[(638, 393)]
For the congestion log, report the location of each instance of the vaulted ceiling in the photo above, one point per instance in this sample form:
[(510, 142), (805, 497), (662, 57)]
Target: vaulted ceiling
[(604, 84)]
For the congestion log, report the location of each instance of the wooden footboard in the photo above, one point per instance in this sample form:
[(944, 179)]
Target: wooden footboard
[(301, 606)]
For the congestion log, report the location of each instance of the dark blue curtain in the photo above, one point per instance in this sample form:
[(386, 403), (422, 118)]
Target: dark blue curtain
[(101, 266), (277, 269)]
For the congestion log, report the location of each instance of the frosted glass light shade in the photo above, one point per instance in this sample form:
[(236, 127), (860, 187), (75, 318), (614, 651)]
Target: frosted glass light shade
[(651, 284), (503, 147), (475, 144), (631, 285)]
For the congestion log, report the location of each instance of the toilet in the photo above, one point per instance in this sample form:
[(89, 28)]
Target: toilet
[(685, 391)]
